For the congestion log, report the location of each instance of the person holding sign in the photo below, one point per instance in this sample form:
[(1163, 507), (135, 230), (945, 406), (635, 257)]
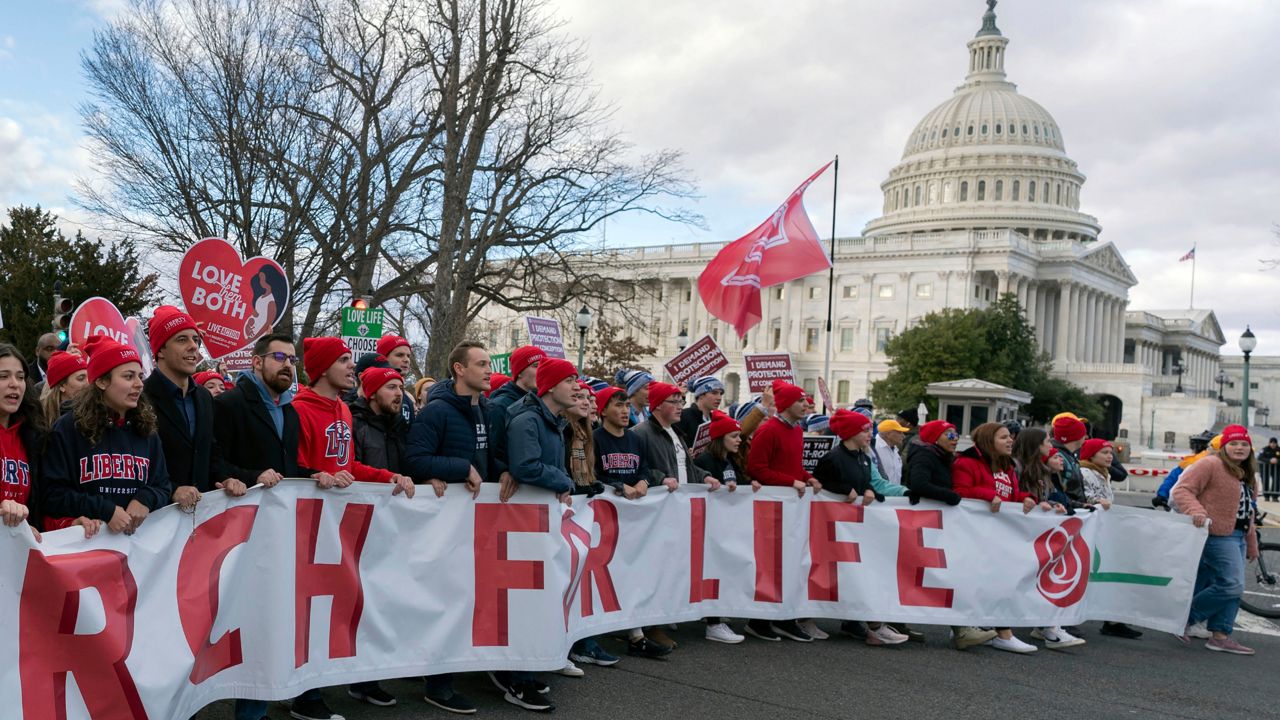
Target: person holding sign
[(105, 461), (184, 411), (708, 394)]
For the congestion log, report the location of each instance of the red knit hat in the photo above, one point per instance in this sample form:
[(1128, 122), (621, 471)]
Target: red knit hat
[(1068, 429), (524, 356), (1093, 446), (587, 387), (165, 323), (847, 423), (496, 380), (604, 396), (375, 377), (722, 424), (1046, 458), (785, 394), (106, 355), (205, 376), (659, 392), (61, 366), (387, 343), (932, 430), (550, 372), (319, 353), (1235, 432)]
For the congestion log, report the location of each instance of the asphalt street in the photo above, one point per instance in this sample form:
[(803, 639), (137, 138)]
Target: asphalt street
[(1152, 677)]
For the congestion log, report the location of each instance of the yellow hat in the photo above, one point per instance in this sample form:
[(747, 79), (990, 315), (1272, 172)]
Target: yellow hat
[(1073, 416), (891, 425), (1216, 442)]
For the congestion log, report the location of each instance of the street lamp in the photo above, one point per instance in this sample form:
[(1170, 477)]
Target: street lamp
[(583, 320), (1247, 344), (1177, 367), (682, 340), (1222, 378)]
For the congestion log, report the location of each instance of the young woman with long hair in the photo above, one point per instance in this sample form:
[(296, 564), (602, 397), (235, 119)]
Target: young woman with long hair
[(104, 460), (66, 377), (22, 437), (1222, 488)]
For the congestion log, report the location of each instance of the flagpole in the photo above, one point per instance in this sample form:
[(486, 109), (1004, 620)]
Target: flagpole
[(1193, 278), (831, 277)]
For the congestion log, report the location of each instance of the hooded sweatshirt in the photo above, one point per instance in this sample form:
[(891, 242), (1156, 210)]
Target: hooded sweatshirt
[(324, 438), (93, 480), (15, 483), (971, 477)]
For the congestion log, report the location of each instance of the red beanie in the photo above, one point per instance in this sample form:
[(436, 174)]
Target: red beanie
[(319, 353), (722, 424), (785, 394), (167, 322), (61, 366), (375, 377), (1046, 458), (550, 372), (932, 430), (387, 343), (591, 392), (659, 392), (1092, 446), (1235, 432), (524, 356), (1068, 429), (106, 355), (604, 396), (205, 376), (847, 423), (496, 380)]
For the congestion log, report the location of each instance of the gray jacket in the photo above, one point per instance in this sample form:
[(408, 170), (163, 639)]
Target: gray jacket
[(535, 446), (660, 454)]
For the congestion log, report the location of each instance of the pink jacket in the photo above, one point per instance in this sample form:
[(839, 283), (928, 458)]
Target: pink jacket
[(1208, 488)]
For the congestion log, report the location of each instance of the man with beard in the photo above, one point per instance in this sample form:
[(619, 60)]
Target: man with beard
[(184, 410), (708, 394), (399, 355)]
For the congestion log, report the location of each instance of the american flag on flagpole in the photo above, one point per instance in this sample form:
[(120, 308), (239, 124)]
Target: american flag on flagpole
[(1191, 255)]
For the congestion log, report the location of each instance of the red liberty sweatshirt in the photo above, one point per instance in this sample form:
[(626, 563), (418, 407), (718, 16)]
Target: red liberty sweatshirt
[(971, 477), (776, 456), (15, 482), (324, 438)]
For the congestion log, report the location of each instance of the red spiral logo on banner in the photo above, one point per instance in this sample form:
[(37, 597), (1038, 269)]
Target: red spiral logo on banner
[(1064, 563)]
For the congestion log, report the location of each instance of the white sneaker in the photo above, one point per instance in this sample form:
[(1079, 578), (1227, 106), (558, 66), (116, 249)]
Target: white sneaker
[(887, 635), (571, 670), (722, 633), (1199, 630), (812, 628), (1013, 644), (1056, 638)]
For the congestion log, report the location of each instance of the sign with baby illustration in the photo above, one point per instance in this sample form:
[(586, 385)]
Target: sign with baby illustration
[(233, 301)]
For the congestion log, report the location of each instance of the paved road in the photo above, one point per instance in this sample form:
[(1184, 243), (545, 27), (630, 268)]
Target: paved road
[(1154, 677)]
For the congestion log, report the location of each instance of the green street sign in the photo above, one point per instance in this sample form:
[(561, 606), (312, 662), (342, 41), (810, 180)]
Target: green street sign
[(500, 363), (361, 330)]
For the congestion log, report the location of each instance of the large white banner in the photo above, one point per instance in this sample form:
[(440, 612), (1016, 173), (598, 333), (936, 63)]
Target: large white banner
[(296, 587)]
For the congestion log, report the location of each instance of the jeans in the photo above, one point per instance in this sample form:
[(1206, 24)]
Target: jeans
[(257, 709), (1219, 583)]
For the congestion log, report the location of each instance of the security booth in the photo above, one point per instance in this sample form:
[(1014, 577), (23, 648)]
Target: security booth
[(972, 402)]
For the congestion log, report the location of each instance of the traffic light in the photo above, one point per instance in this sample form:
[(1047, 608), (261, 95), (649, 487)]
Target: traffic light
[(360, 303), (62, 309)]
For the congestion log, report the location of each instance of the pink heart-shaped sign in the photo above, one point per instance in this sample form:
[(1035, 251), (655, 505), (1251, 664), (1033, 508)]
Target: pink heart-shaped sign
[(100, 316), (234, 302)]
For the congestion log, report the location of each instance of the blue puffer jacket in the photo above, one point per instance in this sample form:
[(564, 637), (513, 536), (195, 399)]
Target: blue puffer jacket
[(500, 403), (442, 439), (535, 446)]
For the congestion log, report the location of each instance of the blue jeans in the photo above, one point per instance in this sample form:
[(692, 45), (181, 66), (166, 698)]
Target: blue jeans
[(257, 709), (1219, 583)]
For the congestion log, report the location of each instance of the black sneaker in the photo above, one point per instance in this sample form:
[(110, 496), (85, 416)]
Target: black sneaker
[(372, 693), (853, 629), (1073, 630), (1120, 630), (646, 648), (790, 629), (526, 695), (312, 710), (912, 635), (454, 703), (762, 630)]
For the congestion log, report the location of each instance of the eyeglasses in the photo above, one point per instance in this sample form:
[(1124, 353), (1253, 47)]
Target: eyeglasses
[(281, 357), (675, 400)]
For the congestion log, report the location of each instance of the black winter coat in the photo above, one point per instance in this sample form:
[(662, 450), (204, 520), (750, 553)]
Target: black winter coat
[(247, 435), (500, 402), (928, 473), (191, 460), (379, 439), (442, 440), (687, 426), (844, 472)]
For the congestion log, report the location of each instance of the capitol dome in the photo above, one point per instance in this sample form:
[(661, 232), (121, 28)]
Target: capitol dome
[(987, 158)]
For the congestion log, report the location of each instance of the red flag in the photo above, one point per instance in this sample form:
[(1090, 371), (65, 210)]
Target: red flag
[(782, 248)]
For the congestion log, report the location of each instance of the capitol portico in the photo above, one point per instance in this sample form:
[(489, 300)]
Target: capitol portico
[(984, 201)]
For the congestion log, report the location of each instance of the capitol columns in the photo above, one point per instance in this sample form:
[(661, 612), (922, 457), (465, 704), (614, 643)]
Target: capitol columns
[(1002, 283), (1066, 305)]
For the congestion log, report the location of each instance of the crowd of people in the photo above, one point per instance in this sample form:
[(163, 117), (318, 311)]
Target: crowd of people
[(97, 445)]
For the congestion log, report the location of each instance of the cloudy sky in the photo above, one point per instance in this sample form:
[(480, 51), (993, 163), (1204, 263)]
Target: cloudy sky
[(1170, 107)]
